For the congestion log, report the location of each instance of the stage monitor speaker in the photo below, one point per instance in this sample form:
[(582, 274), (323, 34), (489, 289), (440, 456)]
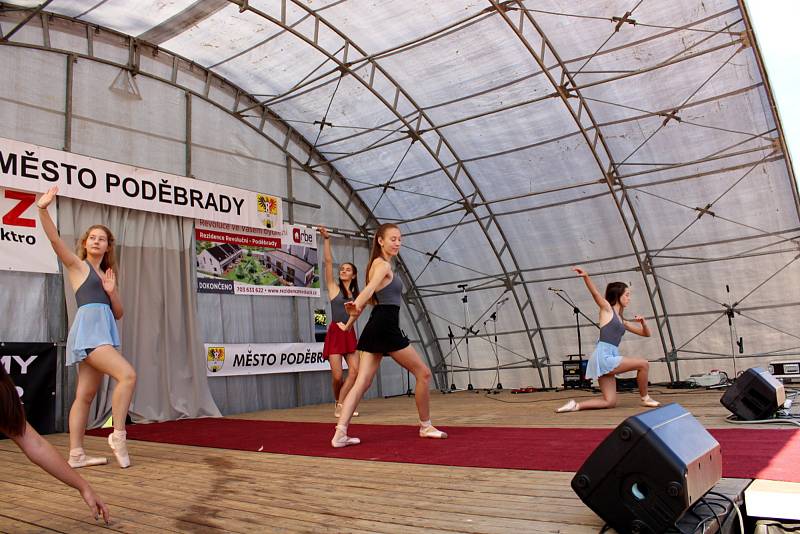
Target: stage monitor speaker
[(755, 395), (650, 470)]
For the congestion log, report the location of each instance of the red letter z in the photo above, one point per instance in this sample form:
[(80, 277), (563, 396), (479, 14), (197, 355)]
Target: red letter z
[(12, 218)]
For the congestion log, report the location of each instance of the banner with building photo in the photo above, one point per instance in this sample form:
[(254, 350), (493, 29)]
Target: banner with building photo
[(264, 358), (32, 367), (23, 243), (237, 260), (36, 168)]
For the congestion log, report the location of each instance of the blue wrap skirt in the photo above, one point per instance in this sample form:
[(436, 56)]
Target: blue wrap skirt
[(94, 325), (603, 360)]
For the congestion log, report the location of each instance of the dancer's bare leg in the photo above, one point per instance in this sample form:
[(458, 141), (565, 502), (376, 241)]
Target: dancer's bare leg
[(89, 380), (353, 363), (409, 359), (108, 360), (336, 379), (608, 387), (368, 368), (642, 368)]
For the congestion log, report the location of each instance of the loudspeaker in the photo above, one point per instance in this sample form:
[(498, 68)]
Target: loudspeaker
[(755, 395), (650, 470)]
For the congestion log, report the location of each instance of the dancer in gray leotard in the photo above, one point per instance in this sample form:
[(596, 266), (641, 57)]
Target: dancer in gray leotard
[(606, 361), (93, 340), (382, 335), (340, 339)]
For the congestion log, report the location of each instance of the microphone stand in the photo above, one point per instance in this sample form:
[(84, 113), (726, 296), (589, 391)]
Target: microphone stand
[(493, 318), (577, 311), (451, 336), (730, 310), (468, 330)]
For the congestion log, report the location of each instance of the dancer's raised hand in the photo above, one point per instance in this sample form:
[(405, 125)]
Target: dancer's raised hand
[(109, 281), (47, 198)]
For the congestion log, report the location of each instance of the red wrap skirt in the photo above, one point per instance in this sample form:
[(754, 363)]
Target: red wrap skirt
[(337, 341)]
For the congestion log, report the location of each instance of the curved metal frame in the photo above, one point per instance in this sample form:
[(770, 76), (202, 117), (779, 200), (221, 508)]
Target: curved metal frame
[(434, 153), (605, 163), (364, 69), (134, 66)]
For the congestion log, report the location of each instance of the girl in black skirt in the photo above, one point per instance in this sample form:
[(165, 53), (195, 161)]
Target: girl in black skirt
[(340, 339), (382, 335)]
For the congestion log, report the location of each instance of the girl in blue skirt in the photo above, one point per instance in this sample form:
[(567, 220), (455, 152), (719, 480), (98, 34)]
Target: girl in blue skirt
[(93, 340), (606, 361)]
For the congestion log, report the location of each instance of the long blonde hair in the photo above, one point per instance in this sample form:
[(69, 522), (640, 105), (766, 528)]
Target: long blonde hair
[(109, 260), (376, 249)]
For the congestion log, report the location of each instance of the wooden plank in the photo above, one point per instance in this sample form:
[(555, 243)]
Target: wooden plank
[(173, 488)]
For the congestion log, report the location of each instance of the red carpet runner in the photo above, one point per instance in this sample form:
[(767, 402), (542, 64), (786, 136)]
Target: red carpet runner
[(746, 453)]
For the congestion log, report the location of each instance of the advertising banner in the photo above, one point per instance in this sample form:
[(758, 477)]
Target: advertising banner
[(237, 260), (264, 358), (23, 244), (36, 168), (32, 367)]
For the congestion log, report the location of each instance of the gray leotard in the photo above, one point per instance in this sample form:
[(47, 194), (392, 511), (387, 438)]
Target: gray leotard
[(392, 294), (612, 331), (338, 313), (91, 290)]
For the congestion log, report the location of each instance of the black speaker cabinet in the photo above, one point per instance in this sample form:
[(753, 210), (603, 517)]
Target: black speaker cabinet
[(651, 469), (755, 395)]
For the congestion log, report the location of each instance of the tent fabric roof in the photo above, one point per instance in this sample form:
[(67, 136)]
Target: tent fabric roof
[(511, 140)]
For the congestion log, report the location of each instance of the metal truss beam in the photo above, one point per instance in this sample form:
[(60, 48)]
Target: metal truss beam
[(349, 202), (460, 179), (538, 45)]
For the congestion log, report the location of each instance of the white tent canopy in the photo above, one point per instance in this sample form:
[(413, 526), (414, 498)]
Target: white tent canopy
[(509, 141)]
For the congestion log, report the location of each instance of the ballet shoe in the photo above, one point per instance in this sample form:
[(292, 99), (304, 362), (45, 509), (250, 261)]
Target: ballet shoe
[(79, 459), (120, 448), (341, 439), (570, 406), (648, 402), (431, 431)]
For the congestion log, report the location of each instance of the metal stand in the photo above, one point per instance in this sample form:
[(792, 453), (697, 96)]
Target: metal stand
[(408, 392), (577, 311), (730, 311), (452, 337), (467, 331), (493, 319)]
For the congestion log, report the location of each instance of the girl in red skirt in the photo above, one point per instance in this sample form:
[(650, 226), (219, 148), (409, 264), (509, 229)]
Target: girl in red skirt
[(340, 341)]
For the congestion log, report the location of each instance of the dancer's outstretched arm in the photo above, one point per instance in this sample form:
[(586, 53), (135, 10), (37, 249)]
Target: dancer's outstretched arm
[(42, 453), (638, 326), (64, 253), (379, 270), (327, 256), (596, 295)]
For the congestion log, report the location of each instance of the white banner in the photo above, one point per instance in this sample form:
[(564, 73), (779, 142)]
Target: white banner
[(235, 260), (37, 168), (23, 243), (264, 358)]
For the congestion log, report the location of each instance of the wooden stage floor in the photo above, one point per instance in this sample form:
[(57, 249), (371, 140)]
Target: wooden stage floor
[(173, 488)]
